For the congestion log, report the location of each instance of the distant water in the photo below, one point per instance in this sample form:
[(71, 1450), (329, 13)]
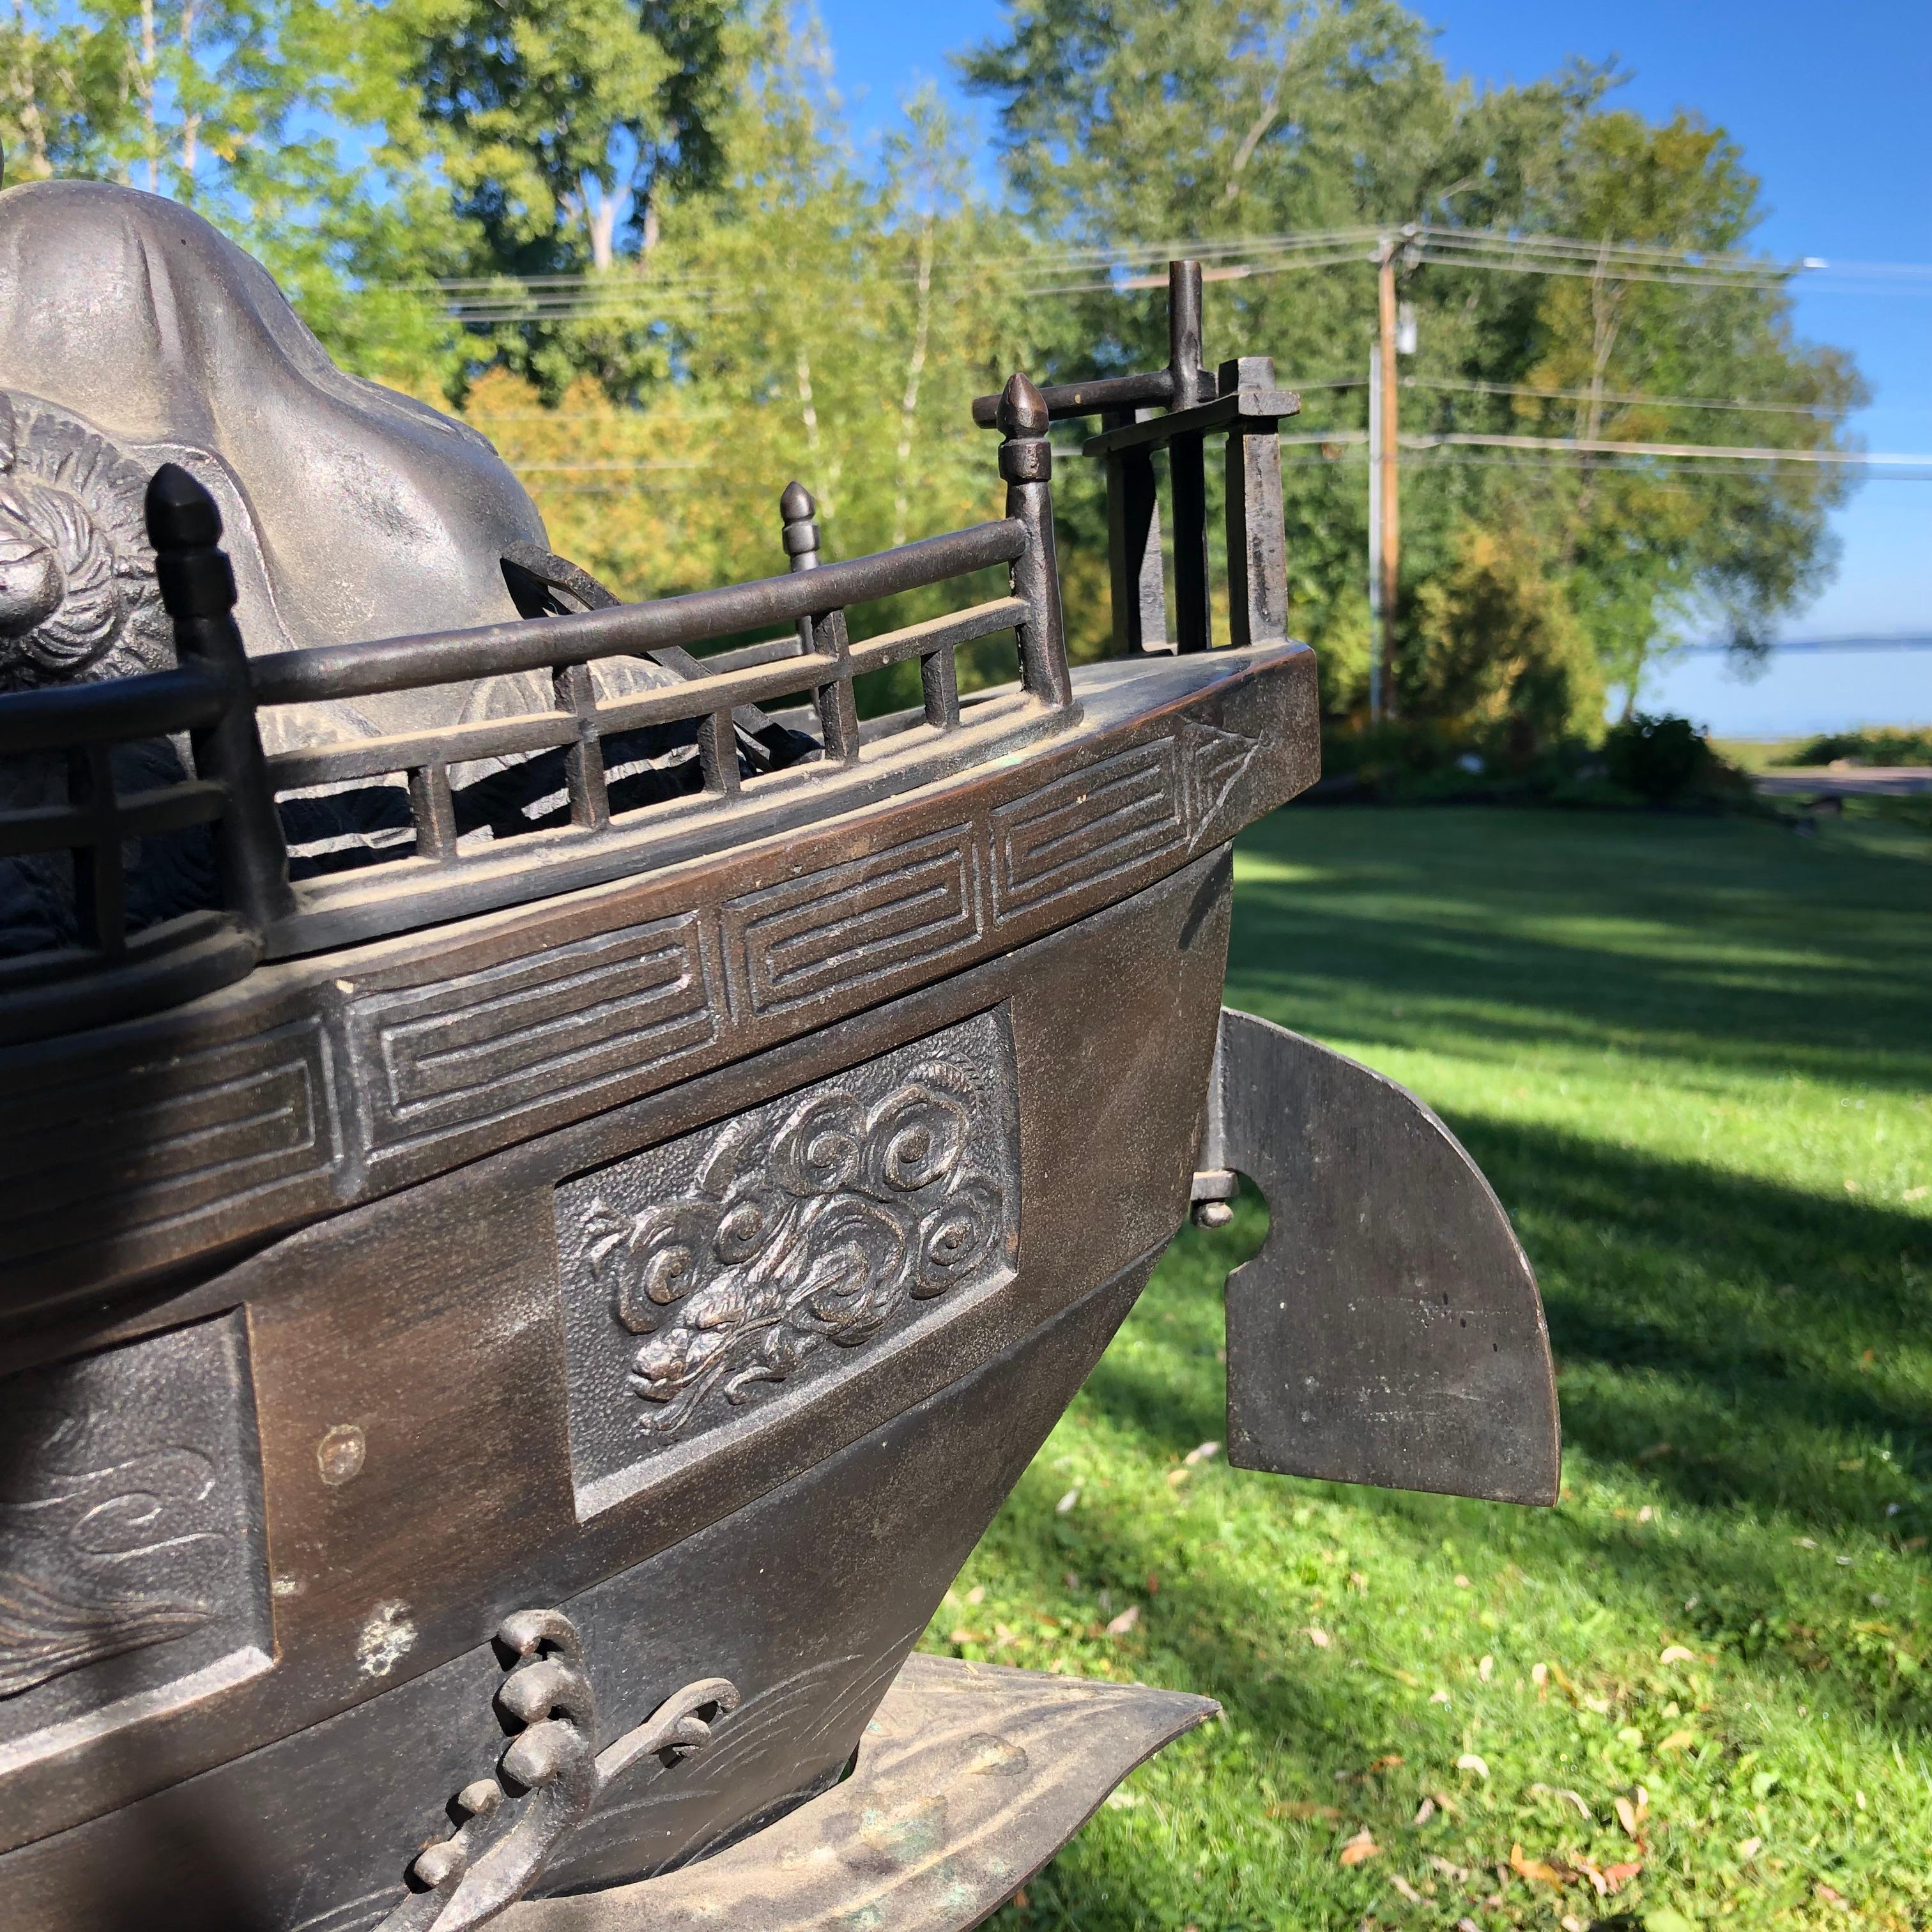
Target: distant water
[(1800, 691)]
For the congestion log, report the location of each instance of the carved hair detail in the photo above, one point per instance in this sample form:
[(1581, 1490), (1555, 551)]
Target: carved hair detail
[(77, 592)]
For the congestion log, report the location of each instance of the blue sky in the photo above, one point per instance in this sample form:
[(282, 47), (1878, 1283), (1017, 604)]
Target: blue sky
[(1834, 111)]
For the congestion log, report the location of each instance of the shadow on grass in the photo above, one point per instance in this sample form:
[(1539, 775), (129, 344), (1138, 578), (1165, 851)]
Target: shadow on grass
[(1740, 1360), (1736, 1340), (1731, 945)]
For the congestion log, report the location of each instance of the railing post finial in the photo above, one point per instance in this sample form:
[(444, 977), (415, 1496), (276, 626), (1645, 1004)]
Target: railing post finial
[(797, 507), (1026, 462), (197, 587)]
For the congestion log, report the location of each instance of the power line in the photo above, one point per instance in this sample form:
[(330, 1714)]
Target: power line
[(505, 300), (1585, 446), (1604, 446), (1587, 396)]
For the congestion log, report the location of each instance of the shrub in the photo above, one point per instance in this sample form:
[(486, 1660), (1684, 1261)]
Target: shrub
[(1882, 745), (1665, 760), (1500, 652)]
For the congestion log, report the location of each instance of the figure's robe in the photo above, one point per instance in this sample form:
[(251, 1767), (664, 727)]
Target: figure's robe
[(133, 333)]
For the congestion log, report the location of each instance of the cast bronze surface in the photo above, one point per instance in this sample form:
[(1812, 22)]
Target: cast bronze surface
[(546, 1780), (968, 1778), (1389, 1330), (413, 1379), (314, 1084), (688, 1206)]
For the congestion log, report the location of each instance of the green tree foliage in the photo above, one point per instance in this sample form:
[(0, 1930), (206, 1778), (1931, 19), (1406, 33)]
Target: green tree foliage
[(677, 286), (1499, 652), (1125, 118)]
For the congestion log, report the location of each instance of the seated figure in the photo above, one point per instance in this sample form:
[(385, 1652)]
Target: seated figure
[(132, 333)]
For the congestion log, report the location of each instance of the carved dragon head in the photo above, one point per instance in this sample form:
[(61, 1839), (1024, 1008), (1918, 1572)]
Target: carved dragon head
[(77, 593)]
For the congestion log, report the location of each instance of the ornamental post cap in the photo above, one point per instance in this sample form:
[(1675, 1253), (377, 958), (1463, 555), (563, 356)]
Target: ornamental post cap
[(1022, 410), (181, 513), (796, 505)]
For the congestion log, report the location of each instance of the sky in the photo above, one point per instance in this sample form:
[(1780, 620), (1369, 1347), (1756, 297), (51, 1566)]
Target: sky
[(1834, 112)]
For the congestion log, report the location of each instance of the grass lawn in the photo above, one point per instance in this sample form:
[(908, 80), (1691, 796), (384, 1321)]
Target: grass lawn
[(1694, 1056)]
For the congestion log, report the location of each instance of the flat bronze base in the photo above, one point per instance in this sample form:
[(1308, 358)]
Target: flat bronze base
[(968, 1779)]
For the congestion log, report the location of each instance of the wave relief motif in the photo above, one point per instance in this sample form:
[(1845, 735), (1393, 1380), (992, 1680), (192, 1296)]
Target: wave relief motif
[(813, 1231), (45, 1632)]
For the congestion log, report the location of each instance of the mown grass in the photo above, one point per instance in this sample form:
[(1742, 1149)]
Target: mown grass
[(1694, 1056)]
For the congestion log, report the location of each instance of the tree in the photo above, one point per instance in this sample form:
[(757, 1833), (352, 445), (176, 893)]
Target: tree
[(1130, 118)]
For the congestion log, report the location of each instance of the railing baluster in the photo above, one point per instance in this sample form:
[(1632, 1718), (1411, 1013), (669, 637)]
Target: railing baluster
[(1138, 583), (1026, 462), (1257, 536), (837, 713), (197, 589), (838, 710), (939, 685), (717, 754), (583, 762), (434, 811), (100, 880)]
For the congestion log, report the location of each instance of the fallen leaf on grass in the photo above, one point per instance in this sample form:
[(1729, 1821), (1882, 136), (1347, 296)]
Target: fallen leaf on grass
[(1826, 1896), (1469, 1761), (1617, 1877), (1067, 1501), (1175, 1477), (1438, 1696), (1675, 1653), (1205, 1452), (1319, 1638), (1424, 1812), (1568, 1796), (1360, 1848), (1539, 1675), (1125, 1621), (963, 1635), (1003, 1637), (1749, 1848), (1304, 1807), (1535, 1869), (1678, 1741), (1467, 1925), (1486, 1668), (1570, 1922), (1408, 1891), (1631, 1812), (1021, 1901), (977, 1594), (1450, 1870), (1462, 1583)]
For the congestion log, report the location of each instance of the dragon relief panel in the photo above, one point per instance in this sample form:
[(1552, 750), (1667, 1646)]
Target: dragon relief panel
[(702, 1277), (130, 1551)]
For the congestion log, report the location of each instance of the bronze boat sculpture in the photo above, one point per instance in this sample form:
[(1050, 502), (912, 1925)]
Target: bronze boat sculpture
[(556, 1184)]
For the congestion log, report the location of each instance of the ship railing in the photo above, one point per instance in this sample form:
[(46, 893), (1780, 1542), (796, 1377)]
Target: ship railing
[(216, 693), (1171, 413)]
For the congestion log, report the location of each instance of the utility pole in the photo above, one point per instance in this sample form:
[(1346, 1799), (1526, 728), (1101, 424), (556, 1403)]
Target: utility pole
[(1385, 539), (1377, 616)]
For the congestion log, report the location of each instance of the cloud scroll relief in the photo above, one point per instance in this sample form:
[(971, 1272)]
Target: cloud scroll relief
[(130, 1533), (704, 1275)]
